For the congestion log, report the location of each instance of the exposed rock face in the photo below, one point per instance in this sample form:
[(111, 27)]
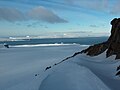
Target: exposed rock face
[(112, 45)]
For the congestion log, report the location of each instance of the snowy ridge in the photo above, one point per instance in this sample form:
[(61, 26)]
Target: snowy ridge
[(83, 72), (70, 76)]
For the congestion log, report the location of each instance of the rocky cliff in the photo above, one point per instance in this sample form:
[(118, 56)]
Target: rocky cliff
[(111, 46)]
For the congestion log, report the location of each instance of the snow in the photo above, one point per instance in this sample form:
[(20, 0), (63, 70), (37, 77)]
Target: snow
[(71, 76), (19, 65), (37, 45), (23, 68)]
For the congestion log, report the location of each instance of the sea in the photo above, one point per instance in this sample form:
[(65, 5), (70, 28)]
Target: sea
[(80, 40)]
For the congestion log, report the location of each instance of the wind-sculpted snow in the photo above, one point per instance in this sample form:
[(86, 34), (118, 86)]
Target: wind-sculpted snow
[(71, 76), (97, 70)]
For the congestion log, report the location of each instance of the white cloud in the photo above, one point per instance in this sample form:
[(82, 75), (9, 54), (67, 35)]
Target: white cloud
[(91, 4), (41, 13), (37, 13)]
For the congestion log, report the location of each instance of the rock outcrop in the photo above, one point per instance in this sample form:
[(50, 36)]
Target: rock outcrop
[(111, 46)]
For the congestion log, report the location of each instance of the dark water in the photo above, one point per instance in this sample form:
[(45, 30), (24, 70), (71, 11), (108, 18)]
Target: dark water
[(82, 41)]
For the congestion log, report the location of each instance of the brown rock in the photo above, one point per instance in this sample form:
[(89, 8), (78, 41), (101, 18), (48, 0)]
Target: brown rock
[(112, 45), (95, 49)]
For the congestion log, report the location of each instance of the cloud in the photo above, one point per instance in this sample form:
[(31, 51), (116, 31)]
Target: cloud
[(29, 25), (45, 27), (94, 4), (69, 1), (108, 6), (37, 13), (41, 13), (93, 26), (11, 14), (115, 8)]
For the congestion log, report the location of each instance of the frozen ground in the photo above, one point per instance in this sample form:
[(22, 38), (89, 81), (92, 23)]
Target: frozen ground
[(20, 64)]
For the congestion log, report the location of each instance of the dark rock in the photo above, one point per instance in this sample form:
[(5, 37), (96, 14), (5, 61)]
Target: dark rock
[(111, 46), (35, 74), (76, 54), (47, 68), (6, 45), (118, 73), (95, 49), (118, 68), (118, 56)]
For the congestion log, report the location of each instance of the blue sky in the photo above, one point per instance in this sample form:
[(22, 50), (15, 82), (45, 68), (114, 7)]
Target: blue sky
[(33, 17)]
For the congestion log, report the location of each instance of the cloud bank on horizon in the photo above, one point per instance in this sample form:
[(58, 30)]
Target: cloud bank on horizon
[(57, 16)]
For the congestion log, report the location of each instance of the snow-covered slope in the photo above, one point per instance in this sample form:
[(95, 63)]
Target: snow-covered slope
[(18, 65), (83, 73), (23, 68), (71, 76)]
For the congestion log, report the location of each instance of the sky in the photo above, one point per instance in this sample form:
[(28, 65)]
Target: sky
[(47, 17)]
